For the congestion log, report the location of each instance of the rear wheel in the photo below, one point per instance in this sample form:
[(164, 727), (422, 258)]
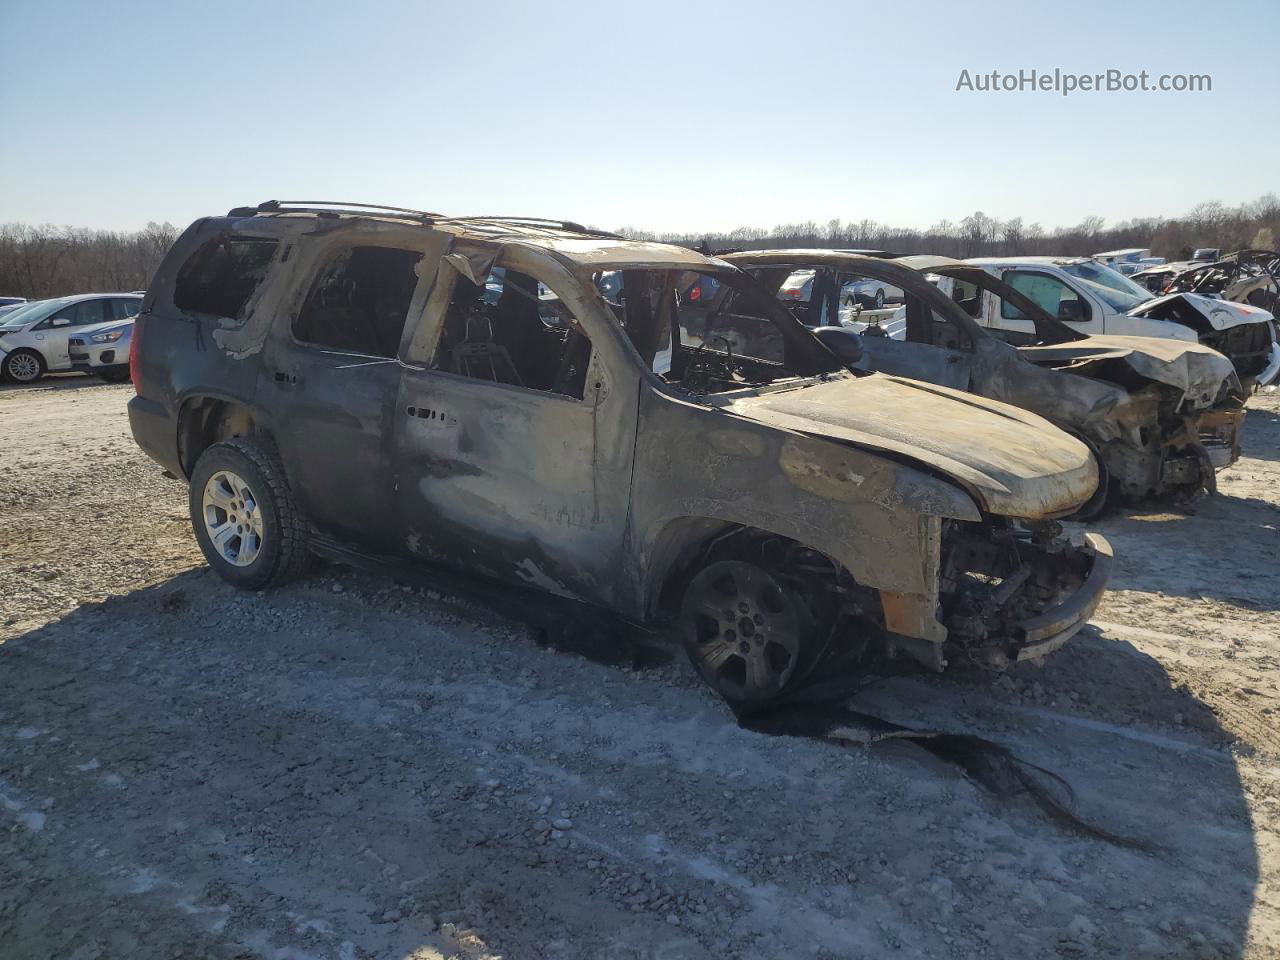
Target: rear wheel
[(244, 516), (24, 366), (748, 633), (879, 299)]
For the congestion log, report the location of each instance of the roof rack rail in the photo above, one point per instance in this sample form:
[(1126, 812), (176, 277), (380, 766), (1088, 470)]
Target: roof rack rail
[(566, 225), (338, 207), (334, 208)]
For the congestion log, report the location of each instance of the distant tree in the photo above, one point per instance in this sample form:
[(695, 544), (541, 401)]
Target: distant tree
[(47, 261)]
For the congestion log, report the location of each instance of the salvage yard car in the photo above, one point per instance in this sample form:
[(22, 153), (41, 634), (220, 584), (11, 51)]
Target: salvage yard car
[(335, 379), (35, 338), (1092, 298), (1161, 415), (103, 351), (1246, 276)]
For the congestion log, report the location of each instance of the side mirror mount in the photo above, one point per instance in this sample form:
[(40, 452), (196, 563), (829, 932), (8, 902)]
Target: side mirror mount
[(1073, 311), (845, 344)]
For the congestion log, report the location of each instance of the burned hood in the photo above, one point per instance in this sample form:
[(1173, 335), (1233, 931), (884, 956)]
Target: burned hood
[(1221, 314), (1198, 371), (1012, 462)]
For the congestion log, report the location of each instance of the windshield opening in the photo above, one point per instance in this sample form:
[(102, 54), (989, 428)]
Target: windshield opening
[(709, 332), (1116, 290), (26, 313)]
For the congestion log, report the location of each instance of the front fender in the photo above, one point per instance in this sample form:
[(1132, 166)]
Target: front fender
[(701, 470)]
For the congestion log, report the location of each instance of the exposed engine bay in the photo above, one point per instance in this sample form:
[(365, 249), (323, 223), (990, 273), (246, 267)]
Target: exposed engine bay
[(996, 578)]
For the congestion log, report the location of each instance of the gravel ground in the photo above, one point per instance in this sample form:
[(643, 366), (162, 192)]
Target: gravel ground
[(353, 768)]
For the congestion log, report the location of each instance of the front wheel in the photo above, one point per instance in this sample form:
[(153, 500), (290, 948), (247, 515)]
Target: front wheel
[(244, 517), (879, 299), (24, 366), (748, 633)]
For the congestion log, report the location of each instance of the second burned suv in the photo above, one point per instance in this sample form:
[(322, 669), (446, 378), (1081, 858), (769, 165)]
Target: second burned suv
[(518, 399)]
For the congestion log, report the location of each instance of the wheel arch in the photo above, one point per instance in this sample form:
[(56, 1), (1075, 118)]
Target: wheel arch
[(679, 548), (204, 419)]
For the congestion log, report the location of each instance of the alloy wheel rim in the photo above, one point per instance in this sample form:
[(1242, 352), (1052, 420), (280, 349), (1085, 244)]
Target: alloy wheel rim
[(744, 633), (232, 518), (23, 367)]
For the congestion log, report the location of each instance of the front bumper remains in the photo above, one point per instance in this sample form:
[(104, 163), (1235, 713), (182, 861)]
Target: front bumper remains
[(1010, 596)]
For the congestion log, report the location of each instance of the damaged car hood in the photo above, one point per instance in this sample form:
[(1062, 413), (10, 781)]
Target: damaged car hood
[(1198, 371), (1221, 314), (1012, 462)]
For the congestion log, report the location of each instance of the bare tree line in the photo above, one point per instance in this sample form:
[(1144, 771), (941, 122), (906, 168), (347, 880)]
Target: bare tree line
[(48, 261), (1255, 224)]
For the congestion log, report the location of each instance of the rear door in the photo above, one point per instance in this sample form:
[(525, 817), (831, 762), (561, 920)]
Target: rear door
[(330, 376)]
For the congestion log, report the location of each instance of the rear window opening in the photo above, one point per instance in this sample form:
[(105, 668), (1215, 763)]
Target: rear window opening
[(359, 301), (221, 276), (705, 332)]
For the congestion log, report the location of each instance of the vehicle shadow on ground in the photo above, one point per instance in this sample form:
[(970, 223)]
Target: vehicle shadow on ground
[(263, 771), (1145, 761)]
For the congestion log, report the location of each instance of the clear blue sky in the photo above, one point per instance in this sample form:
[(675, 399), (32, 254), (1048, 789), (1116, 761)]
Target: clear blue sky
[(657, 115)]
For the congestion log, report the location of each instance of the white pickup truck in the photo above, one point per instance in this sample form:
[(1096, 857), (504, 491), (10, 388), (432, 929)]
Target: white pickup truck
[(1094, 299)]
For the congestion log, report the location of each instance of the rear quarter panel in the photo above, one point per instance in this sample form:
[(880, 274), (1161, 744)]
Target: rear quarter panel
[(178, 355)]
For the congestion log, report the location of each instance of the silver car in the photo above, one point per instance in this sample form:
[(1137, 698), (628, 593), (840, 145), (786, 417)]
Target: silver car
[(103, 351), (34, 339)]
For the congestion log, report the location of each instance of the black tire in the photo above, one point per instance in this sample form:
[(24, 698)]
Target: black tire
[(879, 299), (282, 554), (1101, 501), (22, 358), (739, 622)]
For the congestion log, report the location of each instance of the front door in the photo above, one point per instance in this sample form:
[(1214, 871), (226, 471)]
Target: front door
[(514, 440), (933, 348), (54, 331), (1058, 298), (330, 381)]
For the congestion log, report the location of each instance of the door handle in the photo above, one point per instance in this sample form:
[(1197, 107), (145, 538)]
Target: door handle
[(282, 377)]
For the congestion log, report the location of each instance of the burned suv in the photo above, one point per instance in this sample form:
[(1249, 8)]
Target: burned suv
[(518, 399)]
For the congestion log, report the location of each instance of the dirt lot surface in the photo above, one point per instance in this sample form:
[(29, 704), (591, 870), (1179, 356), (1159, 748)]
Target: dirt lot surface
[(351, 768)]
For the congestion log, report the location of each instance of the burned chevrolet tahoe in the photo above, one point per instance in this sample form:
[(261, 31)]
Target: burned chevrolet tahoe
[(1161, 415), (518, 399)]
